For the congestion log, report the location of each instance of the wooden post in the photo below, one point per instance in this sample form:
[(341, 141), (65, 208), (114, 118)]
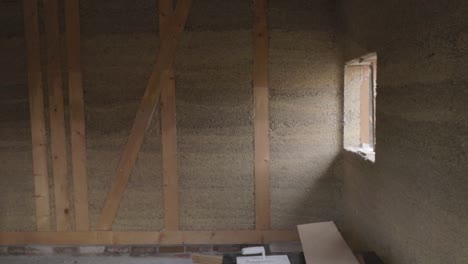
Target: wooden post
[(144, 114), (57, 122), (36, 108), (77, 115), (168, 127), (261, 127)]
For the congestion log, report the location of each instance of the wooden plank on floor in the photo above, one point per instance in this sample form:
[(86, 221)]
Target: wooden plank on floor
[(36, 107), (207, 259), (323, 243), (144, 114), (57, 121), (77, 115), (261, 127), (168, 127), (142, 238)]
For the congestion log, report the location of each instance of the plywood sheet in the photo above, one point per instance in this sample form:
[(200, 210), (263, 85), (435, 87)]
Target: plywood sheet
[(323, 243)]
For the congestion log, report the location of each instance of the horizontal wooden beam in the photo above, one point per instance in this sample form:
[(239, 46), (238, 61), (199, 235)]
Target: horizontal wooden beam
[(142, 238)]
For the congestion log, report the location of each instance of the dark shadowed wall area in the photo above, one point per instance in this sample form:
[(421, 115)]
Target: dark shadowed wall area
[(214, 101), (16, 180), (410, 206)]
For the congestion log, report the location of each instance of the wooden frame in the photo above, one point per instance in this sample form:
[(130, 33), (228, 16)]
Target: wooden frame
[(77, 115), (262, 123), (169, 128), (373, 101), (367, 66), (36, 107), (57, 120), (142, 238), (365, 106), (161, 83), (143, 117)]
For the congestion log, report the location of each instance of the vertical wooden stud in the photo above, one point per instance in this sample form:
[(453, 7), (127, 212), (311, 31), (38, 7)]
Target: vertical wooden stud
[(261, 127), (168, 127), (57, 122), (36, 107), (77, 115)]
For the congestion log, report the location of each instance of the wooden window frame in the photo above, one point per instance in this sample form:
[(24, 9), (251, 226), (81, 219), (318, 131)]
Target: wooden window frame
[(367, 100)]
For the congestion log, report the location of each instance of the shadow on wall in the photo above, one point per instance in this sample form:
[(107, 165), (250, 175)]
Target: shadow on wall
[(312, 196)]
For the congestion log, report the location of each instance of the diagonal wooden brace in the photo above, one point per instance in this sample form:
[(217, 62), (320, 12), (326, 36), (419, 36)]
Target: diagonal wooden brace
[(166, 55)]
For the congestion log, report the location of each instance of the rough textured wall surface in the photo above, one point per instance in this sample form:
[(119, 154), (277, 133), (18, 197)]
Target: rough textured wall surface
[(215, 130), (115, 72), (16, 181), (214, 101), (305, 123), (411, 205), (305, 113)]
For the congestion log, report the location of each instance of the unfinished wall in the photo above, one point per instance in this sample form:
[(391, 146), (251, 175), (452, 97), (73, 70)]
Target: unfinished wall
[(305, 112), (16, 181), (214, 99), (410, 206)]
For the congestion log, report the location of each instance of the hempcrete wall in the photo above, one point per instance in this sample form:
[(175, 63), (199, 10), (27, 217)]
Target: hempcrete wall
[(411, 205), (305, 123), (16, 189), (214, 100)]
